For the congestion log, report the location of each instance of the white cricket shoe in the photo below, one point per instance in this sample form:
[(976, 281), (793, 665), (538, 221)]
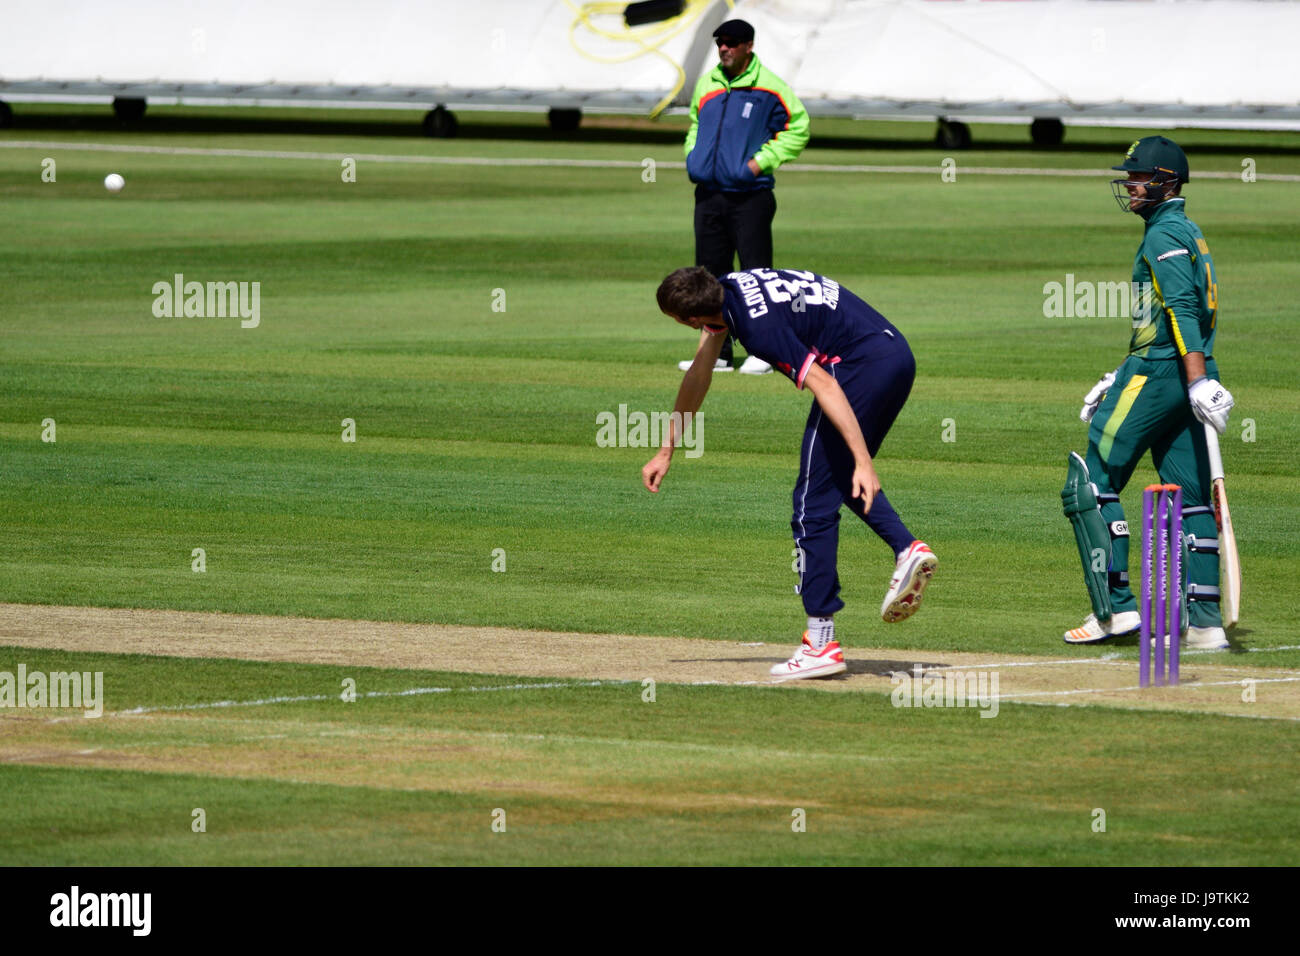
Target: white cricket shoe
[(754, 366), (721, 365), (1206, 638), (915, 567), (808, 663), (1093, 630)]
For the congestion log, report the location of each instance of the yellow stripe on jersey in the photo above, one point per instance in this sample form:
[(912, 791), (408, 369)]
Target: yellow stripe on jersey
[(1178, 333), (1122, 408), (1154, 281), (1173, 319)]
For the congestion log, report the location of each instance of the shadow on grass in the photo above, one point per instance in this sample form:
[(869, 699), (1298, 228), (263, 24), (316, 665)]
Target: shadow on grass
[(879, 668)]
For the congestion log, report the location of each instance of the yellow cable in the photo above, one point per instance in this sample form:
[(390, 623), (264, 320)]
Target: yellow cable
[(648, 39)]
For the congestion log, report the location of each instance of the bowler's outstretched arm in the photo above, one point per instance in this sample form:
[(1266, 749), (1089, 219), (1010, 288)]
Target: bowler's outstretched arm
[(690, 396)]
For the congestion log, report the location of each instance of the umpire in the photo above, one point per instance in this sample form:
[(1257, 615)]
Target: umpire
[(745, 122)]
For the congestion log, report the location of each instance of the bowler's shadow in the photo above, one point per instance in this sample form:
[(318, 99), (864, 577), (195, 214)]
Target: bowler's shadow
[(873, 668)]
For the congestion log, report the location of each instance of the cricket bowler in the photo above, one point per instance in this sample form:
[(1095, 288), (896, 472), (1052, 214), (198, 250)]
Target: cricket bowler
[(1157, 399), (860, 371)]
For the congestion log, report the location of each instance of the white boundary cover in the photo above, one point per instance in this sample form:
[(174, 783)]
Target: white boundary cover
[(1185, 60)]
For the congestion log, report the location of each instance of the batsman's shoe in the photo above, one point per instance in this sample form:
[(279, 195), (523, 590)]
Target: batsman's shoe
[(808, 663), (721, 365), (754, 366), (915, 567), (1206, 639), (1093, 630)]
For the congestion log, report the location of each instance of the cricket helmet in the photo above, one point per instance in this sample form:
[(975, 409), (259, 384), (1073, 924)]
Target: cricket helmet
[(1163, 159)]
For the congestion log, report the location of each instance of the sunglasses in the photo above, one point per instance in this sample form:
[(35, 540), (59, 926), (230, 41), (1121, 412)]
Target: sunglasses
[(728, 42)]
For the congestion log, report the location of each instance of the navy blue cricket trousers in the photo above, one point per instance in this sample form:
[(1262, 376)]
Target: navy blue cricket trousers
[(876, 379)]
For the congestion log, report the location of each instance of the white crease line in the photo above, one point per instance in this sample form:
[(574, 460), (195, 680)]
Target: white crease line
[(1107, 659), (1115, 690), (1111, 660), (412, 692), (729, 683), (1206, 665), (575, 163)]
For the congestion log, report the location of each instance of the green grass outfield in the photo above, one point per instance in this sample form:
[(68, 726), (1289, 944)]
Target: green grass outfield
[(476, 431), (595, 774)]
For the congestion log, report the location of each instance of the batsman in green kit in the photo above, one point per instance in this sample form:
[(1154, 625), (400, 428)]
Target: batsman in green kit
[(1159, 399)]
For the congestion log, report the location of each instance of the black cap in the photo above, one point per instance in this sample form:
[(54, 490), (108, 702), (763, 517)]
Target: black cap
[(1156, 154), (736, 30)]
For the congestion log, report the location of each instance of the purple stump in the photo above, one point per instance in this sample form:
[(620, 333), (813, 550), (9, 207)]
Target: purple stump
[(1144, 607), (1161, 577), (1176, 587)]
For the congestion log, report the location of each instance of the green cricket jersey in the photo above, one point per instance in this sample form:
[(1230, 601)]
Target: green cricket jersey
[(1175, 301)]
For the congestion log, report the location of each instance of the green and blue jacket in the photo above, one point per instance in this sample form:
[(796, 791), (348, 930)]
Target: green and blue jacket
[(755, 116)]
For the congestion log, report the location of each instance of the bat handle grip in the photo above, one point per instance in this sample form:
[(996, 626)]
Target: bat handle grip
[(1216, 458)]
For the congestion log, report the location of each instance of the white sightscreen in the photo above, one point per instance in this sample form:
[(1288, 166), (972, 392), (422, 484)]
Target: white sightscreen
[(1068, 58)]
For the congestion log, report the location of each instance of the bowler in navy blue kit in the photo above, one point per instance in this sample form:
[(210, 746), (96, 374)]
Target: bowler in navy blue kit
[(860, 370)]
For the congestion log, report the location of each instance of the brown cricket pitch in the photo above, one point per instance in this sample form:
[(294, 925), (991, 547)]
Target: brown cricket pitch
[(1211, 683)]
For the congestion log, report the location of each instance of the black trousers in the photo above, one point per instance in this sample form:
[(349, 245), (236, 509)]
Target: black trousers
[(728, 224)]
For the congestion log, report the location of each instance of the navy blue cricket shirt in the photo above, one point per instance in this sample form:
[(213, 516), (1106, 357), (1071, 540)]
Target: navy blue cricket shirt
[(791, 319)]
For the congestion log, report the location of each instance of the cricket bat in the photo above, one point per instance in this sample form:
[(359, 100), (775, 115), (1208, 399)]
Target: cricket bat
[(1229, 564)]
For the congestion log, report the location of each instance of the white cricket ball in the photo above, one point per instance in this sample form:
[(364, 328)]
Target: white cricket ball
[(113, 182)]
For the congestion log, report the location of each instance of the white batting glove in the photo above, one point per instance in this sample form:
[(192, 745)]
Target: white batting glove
[(1094, 397), (1211, 403)]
